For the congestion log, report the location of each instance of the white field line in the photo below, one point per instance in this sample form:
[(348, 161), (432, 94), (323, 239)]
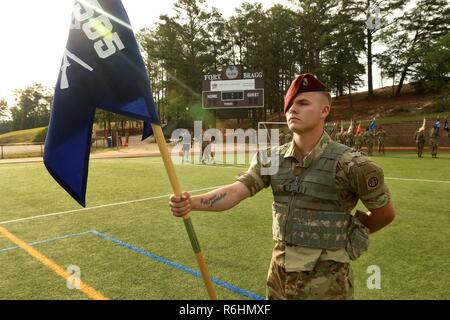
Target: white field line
[(418, 180), (97, 207), (164, 196)]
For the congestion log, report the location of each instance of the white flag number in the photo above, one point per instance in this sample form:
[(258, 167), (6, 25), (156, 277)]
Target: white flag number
[(98, 29)]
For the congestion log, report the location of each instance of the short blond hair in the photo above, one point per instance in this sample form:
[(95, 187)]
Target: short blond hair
[(326, 95)]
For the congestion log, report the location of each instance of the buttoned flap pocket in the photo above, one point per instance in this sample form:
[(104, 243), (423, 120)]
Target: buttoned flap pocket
[(358, 238)]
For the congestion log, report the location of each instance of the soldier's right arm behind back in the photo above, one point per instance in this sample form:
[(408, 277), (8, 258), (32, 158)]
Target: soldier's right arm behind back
[(366, 180)]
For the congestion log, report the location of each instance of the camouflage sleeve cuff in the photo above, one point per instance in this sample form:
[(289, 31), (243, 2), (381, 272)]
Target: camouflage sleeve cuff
[(370, 184), (251, 182), (377, 201)]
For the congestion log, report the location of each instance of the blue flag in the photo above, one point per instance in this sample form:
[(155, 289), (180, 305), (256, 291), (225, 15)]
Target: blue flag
[(437, 127), (372, 125), (101, 68)]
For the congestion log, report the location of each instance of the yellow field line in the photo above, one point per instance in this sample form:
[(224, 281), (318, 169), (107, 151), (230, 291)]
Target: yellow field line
[(86, 289)]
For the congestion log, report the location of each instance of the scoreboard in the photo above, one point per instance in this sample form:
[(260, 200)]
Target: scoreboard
[(232, 89)]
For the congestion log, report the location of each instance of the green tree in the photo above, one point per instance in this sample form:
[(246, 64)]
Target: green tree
[(4, 110), (376, 15), (390, 60), (315, 23), (32, 107), (182, 48), (419, 29), (344, 45), (250, 29), (433, 71), (281, 57)]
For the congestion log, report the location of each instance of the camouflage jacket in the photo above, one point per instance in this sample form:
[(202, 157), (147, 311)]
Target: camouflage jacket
[(357, 178)]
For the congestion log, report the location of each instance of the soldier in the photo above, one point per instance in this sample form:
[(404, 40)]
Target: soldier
[(282, 137), (339, 134), (288, 137), (381, 134), (369, 139), (317, 185), (434, 138), (338, 138), (419, 138), (349, 139), (359, 139)]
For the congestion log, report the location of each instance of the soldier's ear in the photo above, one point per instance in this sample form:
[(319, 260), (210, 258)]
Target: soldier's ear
[(325, 111)]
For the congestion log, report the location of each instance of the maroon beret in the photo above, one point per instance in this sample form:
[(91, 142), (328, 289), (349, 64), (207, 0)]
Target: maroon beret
[(303, 83)]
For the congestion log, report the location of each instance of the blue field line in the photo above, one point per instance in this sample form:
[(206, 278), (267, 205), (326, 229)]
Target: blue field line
[(67, 236), (152, 256), (195, 273)]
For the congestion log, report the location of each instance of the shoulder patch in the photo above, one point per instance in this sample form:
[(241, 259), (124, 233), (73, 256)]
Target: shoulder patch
[(372, 182)]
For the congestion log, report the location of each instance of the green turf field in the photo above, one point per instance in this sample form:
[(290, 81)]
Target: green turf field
[(113, 241)]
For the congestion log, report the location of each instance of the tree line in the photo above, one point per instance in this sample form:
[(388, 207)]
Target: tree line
[(333, 39)]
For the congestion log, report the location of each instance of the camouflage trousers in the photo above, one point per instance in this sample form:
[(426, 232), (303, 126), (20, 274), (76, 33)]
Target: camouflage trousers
[(370, 149), (329, 280), (381, 147), (420, 146), (434, 149)]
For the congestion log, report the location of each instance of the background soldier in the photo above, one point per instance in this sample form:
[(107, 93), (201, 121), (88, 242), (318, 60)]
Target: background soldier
[(434, 138), (359, 140), (316, 186), (369, 139), (348, 136), (339, 135), (419, 138), (381, 134), (282, 137), (288, 137)]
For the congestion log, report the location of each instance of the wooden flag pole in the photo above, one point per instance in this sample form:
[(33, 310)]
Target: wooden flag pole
[(157, 131)]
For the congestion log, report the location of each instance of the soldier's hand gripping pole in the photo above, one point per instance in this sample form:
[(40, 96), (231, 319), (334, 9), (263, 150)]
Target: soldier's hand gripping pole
[(187, 220)]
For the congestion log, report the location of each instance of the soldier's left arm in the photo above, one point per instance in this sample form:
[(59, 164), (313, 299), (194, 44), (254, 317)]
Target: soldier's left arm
[(377, 219), (368, 182)]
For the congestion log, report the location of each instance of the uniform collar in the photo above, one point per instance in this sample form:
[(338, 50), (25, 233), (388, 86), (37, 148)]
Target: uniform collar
[(316, 152)]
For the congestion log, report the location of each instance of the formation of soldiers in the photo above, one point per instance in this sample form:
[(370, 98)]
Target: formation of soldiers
[(285, 136), (420, 137), (359, 138)]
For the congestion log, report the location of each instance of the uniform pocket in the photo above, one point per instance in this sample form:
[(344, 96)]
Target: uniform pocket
[(358, 238)]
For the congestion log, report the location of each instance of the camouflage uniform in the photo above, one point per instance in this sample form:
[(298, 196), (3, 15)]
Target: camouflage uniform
[(369, 139), (359, 139), (434, 140), (344, 138), (288, 138), (419, 138), (282, 138), (349, 139), (302, 272), (381, 140), (338, 138)]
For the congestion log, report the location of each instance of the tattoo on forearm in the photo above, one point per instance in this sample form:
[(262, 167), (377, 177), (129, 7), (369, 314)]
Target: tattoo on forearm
[(213, 200)]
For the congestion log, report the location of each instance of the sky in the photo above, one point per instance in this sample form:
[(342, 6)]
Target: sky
[(33, 35)]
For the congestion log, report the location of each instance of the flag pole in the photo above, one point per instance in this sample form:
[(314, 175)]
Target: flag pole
[(157, 131)]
